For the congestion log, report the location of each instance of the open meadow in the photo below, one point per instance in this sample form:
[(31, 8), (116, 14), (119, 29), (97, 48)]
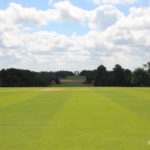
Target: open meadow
[(79, 118)]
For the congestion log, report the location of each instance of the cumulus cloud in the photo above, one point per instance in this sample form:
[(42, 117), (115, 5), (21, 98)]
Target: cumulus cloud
[(67, 11), (138, 19), (112, 38), (113, 1), (104, 16), (16, 14), (99, 18)]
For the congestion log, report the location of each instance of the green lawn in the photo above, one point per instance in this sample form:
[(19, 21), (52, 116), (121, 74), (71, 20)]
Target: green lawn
[(85, 118)]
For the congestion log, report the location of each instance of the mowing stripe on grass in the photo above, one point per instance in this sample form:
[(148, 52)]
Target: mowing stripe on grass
[(75, 119)]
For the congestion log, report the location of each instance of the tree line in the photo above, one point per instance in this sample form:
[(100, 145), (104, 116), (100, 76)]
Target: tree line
[(25, 78), (118, 76)]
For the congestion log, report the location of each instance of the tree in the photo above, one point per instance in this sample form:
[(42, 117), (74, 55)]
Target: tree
[(128, 77), (118, 76), (89, 74), (63, 74), (140, 77), (26, 78), (100, 76), (14, 81), (147, 66)]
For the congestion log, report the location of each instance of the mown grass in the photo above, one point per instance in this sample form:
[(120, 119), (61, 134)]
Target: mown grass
[(70, 84), (84, 118)]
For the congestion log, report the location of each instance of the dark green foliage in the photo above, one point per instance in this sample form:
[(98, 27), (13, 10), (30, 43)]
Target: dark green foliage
[(100, 76), (118, 76), (17, 77), (147, 66), (128, 77), (89, 76), (141, 77)]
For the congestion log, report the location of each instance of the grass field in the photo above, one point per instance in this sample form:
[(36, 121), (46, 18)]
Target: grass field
[(74, 118)]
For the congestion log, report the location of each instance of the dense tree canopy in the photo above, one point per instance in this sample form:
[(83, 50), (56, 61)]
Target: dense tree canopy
[(89, 75), (141, 77), (118, 76), (17, 77), (100, 76)]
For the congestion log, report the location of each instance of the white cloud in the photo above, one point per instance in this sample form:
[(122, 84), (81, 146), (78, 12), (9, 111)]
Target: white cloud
[(113, 38), (50, 1), (99, 18), (18, 15), (138, 19), (113, 1), (104, 16), (67, 11)]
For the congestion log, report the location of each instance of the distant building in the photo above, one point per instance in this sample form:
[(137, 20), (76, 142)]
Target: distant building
[(76, 73)]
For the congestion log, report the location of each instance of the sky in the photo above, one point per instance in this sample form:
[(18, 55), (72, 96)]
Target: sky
[(44, 35)]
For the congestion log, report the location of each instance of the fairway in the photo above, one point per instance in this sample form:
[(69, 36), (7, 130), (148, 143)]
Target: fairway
[(79, 118)]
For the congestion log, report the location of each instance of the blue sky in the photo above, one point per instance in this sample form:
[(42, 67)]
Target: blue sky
[(74, 34)]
